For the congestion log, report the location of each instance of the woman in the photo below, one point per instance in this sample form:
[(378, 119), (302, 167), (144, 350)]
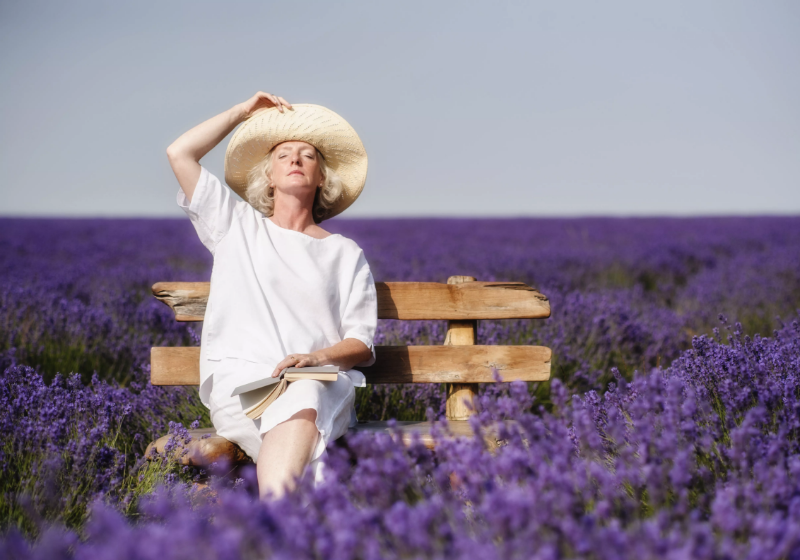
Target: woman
[(284, 292)]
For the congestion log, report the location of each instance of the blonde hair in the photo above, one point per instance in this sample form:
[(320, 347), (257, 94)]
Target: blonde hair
[(261, 192)]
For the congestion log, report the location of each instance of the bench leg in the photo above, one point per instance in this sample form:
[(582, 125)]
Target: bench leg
[(458, 395), (460, 333)]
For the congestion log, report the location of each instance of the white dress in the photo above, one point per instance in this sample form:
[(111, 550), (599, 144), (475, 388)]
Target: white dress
[(276, 292)]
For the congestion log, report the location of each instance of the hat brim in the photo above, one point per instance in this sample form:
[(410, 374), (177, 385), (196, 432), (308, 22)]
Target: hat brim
[(319, 126)]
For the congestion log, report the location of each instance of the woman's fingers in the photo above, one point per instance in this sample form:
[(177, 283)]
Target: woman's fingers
[(263, 97), (284, 363), (268, 97), (295, 360), (270, 100), (292, 360), (276, 102), (303, 360)]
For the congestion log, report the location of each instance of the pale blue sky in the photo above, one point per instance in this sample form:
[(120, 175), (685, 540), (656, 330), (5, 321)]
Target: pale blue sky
[(465, 108)]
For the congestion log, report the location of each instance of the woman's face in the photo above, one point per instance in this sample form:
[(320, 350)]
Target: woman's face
[(295, 168)]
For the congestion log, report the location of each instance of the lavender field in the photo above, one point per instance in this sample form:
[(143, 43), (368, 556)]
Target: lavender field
[(671, 428)]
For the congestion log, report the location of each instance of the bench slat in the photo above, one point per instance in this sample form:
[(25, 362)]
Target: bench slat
[(401, 300), (395, 364), (207, 447)]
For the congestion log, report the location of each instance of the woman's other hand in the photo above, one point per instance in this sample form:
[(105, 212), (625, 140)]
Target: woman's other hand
[(185, 153), (262, 99), (296, 360), (344, 354)]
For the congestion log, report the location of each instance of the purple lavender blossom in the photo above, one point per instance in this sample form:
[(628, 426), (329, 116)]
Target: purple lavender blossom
[(659, 436)]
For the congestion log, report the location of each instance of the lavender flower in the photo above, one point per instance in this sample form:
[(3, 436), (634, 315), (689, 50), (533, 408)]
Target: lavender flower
[(664, 432)]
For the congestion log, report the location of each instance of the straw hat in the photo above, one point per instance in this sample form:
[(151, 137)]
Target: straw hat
[(322, 128)]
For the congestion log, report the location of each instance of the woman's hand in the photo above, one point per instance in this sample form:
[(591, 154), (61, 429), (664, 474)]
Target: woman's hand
[(296, 360), (344, 354), (184, 153), (261, 100)]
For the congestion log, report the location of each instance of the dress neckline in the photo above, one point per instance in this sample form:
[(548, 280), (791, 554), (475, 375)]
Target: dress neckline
[(299, 233)]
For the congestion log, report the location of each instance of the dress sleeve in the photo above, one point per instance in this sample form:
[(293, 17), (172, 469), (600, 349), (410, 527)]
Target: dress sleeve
[(360, 318), (211, 209)]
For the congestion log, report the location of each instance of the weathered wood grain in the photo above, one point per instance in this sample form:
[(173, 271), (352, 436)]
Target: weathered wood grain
[(461, 396), (401, 300), (187, 299), (175, 365), (394, 364)]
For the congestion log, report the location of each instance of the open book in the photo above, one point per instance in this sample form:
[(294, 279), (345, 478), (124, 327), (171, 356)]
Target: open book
[(258, 395)]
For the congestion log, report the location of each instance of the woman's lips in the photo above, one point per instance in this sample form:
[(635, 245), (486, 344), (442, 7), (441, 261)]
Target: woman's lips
[(296, 173)]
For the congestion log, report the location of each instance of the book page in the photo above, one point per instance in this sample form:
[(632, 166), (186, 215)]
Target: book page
[(253, 398)]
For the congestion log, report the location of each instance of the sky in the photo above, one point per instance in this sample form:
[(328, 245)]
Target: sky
[(516, 108)]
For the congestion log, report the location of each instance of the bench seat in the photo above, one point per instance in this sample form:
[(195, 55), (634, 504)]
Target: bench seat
[(207, 447)]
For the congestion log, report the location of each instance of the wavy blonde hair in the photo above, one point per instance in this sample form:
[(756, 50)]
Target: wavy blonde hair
[(261, 192)]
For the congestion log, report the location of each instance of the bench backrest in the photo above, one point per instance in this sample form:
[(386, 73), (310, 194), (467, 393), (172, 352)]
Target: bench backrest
[(401, 300), (459, 362)]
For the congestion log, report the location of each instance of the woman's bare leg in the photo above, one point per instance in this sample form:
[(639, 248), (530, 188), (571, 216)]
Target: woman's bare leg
[(285, 451)]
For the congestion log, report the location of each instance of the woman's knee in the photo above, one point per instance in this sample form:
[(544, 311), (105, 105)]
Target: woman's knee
[(308, 414), (302, 419)]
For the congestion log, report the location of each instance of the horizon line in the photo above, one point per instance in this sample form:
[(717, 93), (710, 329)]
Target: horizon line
[(419, 217)]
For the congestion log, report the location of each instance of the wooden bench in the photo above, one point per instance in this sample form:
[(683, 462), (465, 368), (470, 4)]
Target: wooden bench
[(460, 362)]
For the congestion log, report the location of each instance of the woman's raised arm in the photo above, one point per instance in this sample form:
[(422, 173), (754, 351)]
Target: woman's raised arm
[(185, 153)]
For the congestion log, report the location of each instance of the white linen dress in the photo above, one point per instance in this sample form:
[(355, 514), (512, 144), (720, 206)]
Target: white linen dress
[(276, 292)]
